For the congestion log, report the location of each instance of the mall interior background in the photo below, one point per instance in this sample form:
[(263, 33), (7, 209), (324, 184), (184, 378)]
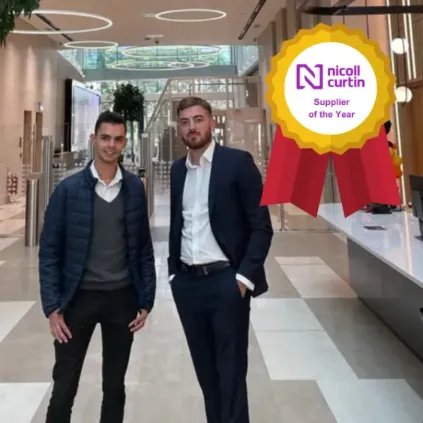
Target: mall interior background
[(33, 105), (318, 354)]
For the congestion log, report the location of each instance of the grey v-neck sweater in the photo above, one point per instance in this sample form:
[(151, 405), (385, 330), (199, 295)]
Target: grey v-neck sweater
[(107, 266)]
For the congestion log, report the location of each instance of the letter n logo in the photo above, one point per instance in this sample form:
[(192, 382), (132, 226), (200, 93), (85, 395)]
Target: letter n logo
[(306, 75)]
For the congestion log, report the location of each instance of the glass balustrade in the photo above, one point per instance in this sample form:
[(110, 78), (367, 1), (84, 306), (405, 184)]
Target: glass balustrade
[(239, 121), (151, 57), (245, 58)]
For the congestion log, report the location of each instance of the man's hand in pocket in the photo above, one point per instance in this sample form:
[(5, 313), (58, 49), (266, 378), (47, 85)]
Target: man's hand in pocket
[(242, 288)]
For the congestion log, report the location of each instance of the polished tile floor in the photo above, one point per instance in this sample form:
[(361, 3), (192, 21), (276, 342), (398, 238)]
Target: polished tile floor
[(317, 355)]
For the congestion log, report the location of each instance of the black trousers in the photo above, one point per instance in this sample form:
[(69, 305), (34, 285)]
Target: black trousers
[(215, 318), (113, 310)]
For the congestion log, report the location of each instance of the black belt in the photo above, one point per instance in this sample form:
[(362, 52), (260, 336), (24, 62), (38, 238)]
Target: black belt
[(204, 269)]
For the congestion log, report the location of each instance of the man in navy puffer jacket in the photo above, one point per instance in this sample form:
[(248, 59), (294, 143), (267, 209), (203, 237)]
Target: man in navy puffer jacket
[(96, 265)]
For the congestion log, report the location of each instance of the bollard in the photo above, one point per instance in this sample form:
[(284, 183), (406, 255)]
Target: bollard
[(47, 169), (144, 178), (32, 211), (147, 164), (46, 179)]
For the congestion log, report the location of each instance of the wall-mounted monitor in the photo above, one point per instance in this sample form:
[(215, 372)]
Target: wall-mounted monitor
[(82, 107)]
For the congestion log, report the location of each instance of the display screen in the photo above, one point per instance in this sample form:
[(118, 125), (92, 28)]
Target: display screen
[(85, 111)]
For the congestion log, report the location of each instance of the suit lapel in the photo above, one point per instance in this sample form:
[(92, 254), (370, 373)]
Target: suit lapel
[(180, 183), (214, 177)]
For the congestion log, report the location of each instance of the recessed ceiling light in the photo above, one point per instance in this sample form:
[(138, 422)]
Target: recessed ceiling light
[(154, 35), (97, 45), (107, 23), (164, 16)]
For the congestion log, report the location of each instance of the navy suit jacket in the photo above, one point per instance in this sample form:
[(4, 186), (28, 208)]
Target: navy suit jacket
[(241, 226)]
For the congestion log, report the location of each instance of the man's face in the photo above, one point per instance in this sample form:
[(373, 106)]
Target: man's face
[(109, 142), (195, 127)]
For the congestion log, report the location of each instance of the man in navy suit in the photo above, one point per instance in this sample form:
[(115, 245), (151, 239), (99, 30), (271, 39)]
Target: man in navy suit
[(218, 242)]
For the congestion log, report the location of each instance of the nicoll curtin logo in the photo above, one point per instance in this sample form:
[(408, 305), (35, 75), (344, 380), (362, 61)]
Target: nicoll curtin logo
[(329, 77)]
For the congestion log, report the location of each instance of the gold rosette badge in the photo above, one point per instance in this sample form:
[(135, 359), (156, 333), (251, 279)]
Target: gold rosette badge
[(330, 88)]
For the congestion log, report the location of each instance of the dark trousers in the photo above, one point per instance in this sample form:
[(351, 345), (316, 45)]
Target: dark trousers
[(215, 318), (113, 310)]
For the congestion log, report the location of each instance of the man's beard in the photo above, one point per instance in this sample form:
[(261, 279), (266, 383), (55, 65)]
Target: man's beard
[(199, 142)]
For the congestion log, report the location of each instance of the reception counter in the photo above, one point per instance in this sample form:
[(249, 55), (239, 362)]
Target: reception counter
[(385, 267)]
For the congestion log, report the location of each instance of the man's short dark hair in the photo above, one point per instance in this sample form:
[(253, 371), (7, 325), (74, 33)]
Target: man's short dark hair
[(388, 126), (188, 102), (109, 117)]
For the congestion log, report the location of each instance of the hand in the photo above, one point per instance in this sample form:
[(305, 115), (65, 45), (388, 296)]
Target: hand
[(139, 321), (242, 288), (58, 327)]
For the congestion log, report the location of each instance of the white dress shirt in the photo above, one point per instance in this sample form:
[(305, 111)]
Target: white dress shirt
[(108, 192), (198, 244)]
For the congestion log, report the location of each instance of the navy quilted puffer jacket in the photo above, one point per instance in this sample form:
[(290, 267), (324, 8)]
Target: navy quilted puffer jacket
[(65, 240)]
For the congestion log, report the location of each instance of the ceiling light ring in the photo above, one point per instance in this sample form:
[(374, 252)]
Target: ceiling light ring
[(197, 64), (173, 65), (162, 15), (107, 23), (82, 45), (213, 50), (119, 66)]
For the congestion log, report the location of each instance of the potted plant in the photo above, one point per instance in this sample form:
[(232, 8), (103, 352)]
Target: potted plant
[(12, 9), (128, 100)]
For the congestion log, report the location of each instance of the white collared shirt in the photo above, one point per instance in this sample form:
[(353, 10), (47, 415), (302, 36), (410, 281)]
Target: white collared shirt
[(198, 244), (108, 192)]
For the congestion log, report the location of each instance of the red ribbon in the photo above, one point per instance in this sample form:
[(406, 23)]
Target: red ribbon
[(297, 175)]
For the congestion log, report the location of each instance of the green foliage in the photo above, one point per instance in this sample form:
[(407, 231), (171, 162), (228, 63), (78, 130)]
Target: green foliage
[(128, 100), (12, 9)]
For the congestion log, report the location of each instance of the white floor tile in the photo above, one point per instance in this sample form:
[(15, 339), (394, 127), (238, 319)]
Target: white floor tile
[(302, 356), (10, 315), (7, 242), (20, 401), (315, 279), (7, 227), (372, 401), (276, 314)]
